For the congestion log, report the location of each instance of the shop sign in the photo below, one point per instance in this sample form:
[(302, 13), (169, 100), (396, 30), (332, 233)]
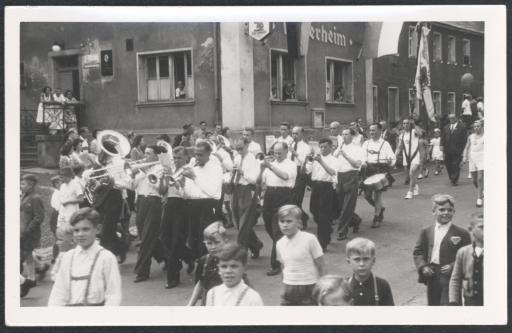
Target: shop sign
[(91, 60), (259, 30), (329, 36)]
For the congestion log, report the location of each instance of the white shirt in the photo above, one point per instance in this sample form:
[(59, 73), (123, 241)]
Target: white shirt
[(453, 126), (224, 296), (466, 108), (440, 231), (297, 254), (318, 172), (254, 148), (208, 182), (302, 149), (479, 251), (371, 149), (85, 144), (269, 178), (288, 140), (358, 139), (250, 169), (55, 200), (354, 151), (105, 280), (141, 184), (68, 191)]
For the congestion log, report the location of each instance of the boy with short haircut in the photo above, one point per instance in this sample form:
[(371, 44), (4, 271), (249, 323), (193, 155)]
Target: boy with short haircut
[(467, 280), (232, 263), (436, 248), (207, 275), (88, 274), (301, 256), (367, 289)]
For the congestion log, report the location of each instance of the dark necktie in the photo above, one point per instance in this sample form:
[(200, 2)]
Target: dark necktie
[(294, 149)]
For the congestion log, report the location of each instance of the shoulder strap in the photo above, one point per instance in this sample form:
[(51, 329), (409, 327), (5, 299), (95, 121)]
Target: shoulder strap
[(90, 275), (380, 148), (241, 296), (375, 290), (70, 274)]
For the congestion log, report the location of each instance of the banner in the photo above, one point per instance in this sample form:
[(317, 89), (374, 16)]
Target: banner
[(381, 39), (422, 79)]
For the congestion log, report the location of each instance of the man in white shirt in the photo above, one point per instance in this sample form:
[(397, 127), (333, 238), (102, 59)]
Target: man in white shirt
[(254, 147), (299, 152), (350, 157), (285, 137), (203, 189), (149, 214), (245, 196), (378, 158), (408, 143), (466, 116), (279, 179), (334, 131), (323, 195), (174, 222)]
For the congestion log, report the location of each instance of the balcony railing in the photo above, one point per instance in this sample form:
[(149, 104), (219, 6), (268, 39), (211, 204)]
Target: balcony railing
[(54, 117)]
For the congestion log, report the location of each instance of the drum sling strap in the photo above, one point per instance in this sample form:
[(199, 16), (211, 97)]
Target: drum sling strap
[(378, 155), (408, 157), (375, 290), (83, 277)]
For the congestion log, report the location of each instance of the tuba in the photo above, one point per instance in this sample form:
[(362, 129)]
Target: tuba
[(114, 147)]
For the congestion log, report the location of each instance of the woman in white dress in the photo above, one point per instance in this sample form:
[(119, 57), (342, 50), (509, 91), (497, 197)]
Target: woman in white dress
[(474, 153), (437, 154), (45, 97)]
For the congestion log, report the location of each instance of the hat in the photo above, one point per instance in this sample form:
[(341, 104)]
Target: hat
[(437, 130), (30, 177), (66, 172)]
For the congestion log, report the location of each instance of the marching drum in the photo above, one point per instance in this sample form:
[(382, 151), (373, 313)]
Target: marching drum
[(376, 182)]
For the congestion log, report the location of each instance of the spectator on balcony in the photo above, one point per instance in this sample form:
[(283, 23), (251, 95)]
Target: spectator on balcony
[(69, 98), (58, 96), (180, 90), (45, 97)]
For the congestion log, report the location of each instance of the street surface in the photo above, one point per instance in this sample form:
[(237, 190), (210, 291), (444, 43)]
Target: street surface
[(395, 240)]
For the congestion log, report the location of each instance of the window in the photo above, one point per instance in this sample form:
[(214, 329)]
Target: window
[(413, 102), (451, 103), (282, 76), (466, 52), (393, 104), (165, 76), (451, 50), (436, 98), (339, 83), (413, 42), (437, 46)]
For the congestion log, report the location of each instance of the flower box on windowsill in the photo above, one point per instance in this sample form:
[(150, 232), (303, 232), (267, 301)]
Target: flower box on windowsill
[(288, 102), (178, 102), (337, 103)]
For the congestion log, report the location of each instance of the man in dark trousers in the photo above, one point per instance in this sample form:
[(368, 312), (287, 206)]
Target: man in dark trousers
[(436, 248), (453, 140)]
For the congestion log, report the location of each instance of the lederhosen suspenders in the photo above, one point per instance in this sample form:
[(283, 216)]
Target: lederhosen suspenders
[(83, 277), (408, 157), (375, 290), (239, 299), (378, 157)]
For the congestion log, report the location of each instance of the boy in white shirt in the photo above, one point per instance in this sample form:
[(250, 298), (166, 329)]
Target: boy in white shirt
[(301, 256), (71, 195), (233, 291), (89, 274)]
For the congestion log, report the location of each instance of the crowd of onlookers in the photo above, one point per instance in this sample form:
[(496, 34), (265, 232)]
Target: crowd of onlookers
[(56, 109)]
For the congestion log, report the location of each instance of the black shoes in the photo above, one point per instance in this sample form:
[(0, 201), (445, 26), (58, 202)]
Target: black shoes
[(273, 271), (26, 286), (140, 279), (255, 254), (172, 284), (342, 235), (376, 222), (356, 222)]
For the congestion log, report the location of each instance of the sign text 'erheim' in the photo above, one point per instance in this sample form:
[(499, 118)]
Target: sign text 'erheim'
[(330, 36)]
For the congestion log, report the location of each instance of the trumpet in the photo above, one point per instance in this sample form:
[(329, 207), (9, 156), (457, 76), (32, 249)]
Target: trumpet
[(153, 177)]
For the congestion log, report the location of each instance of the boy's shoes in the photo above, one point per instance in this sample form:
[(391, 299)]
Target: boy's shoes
[(420, 176), (454, 183), (416, 190), (274, 271), (140, 279), (342, 235), (255, 254), (408, 195), (26, 286), (479, 202), (172, 284), (356, 222)]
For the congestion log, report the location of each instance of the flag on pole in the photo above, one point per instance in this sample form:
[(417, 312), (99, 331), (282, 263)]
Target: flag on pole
[(422, 79)]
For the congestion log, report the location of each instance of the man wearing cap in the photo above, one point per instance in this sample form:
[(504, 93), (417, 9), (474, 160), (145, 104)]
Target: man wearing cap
[(453, 141), (31, 217)]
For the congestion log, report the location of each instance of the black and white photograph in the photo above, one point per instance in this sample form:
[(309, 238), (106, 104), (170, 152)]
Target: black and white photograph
[(169, 162)]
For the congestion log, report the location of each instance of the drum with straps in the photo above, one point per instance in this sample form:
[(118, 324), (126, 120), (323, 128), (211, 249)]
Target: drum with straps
[(376, 182)]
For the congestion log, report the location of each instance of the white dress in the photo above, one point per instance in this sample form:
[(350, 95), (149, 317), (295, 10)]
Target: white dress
[(476, 153), (437, 154)]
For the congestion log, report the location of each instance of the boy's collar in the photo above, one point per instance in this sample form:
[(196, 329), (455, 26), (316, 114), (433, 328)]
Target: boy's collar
[(356, 280), (293, 236)]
